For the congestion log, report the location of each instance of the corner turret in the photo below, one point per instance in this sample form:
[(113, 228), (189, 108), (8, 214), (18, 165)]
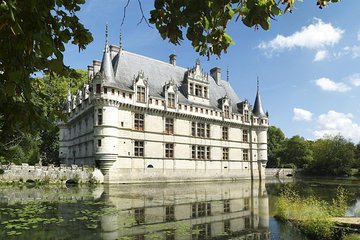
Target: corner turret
[(258, 110), (106, 69)]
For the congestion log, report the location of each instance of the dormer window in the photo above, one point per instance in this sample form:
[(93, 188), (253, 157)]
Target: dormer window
[(205, 92), (191, 89), (171, 100), (226, 112), (246, 115), (198, 90), (140, 94)]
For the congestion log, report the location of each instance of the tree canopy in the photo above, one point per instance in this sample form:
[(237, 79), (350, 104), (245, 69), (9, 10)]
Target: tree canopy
[(33, 34), (205, 23)]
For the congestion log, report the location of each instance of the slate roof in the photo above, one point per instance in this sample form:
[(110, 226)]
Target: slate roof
[(126, 65)]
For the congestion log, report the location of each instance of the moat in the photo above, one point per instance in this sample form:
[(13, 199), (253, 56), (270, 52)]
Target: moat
[(216, 210)]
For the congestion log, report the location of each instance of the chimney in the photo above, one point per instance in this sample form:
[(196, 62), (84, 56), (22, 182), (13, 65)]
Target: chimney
[(114, 50), (90, 72), (97, 65), (216, 74), (172, 58)]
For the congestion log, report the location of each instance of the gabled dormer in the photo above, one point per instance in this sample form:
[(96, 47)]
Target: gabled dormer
[(197, 84), (141, 89), (171, 95), (245, 109), (225, 106)]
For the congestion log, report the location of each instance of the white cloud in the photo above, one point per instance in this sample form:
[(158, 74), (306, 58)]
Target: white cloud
[(358, 35), (328, 85), (302, 115), (321, 55), (333, 123), (316, 35), (355, 79), (355, 51)]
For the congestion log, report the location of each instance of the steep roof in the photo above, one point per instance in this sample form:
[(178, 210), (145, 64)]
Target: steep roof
[(258, 109), (127, 65)]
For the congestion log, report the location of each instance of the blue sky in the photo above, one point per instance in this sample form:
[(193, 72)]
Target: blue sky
[(308, 62)]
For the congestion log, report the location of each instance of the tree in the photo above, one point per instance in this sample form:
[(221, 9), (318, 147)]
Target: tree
[(332, 156), (32, 38), (276, 140), (204, 23), (26, 147), (296, 151)]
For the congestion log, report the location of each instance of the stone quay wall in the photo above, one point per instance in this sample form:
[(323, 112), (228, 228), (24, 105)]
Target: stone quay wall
[(49, 174)]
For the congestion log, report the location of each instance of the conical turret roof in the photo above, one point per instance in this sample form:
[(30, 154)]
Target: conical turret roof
[(258, 109), (106, 64)]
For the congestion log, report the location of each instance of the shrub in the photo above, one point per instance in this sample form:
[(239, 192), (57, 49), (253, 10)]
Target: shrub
[(311, 215), (2, 171)]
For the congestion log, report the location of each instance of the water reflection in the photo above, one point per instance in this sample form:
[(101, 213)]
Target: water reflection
[(217, 210), (187, 211)]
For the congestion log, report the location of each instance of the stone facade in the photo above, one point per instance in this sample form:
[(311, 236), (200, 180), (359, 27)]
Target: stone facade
[(144, 120)]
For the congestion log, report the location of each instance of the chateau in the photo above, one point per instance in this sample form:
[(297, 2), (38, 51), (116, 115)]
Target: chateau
[(145, 120)]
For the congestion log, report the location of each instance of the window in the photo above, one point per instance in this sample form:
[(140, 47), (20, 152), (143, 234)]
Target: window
[(169, 125), (205, 92), (140, 97), (169, 150), (100, 117), (112, 91), (245, 135), (226, 112), (246, 115), (193, 129), (124, 95), (200, 129), (105, 90), (208, 155), (170, 213), (99, 142), (226, 206), (191, 89), (201, 231), (201, 209), (225, 153), (227, 226), (171, 100), (150, 101), (139, 214), (156, 102), (198, 90), (139, 149), (246, 155), (225, 133), (200, 152), (130, 96), (139, 122), (208, 130), (246, 203), (98, 88), (193, 152)]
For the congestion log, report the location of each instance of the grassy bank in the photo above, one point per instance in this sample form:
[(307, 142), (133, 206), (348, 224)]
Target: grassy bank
[(311, 215)]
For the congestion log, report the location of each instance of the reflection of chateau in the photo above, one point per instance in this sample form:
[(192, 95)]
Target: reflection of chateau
[(204, 211), (141, 119)]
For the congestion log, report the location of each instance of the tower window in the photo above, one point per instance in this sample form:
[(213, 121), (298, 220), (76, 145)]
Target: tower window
[(100, 117)]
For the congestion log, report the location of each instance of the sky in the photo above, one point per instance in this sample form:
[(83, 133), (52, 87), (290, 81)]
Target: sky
[(308, 63)]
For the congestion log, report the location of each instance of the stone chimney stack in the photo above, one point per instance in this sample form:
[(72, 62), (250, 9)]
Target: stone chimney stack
[(172, 58), (216, 74)]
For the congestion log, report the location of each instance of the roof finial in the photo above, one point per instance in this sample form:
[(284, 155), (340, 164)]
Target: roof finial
[(227, 73), (257, 84), (106, 34), (120, 40)]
